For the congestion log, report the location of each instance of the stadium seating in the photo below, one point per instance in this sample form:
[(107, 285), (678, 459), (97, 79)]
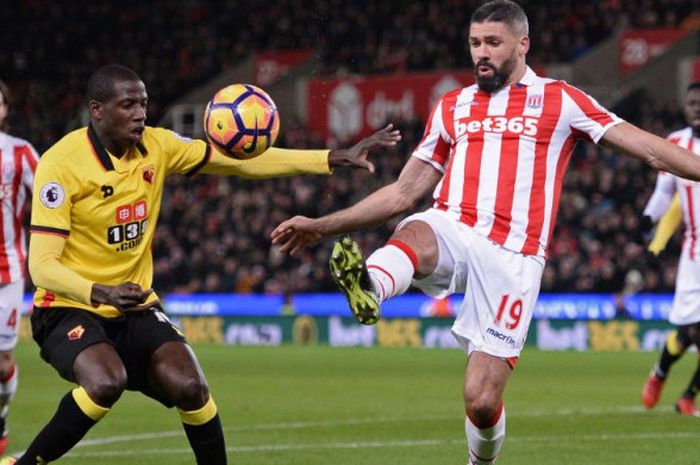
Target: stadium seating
[(177, 46)]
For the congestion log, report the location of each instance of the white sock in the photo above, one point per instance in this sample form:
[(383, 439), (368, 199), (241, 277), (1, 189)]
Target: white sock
[(391, 269), (484, 443), (8, 387)]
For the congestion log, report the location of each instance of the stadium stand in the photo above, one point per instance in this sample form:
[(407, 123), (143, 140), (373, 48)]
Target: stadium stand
[(213, 233)]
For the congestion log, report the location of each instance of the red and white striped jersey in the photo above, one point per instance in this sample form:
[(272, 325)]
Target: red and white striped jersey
[(503, 155), (18, 161), (667, 184)]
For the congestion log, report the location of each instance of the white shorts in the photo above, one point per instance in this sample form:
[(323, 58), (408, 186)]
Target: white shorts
[(686, 301), (500, 287), (11, 296)]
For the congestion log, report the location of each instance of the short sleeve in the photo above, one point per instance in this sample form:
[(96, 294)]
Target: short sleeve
[(29, 162), (52, 199), (182, 154), (585, 115), (434, 147)]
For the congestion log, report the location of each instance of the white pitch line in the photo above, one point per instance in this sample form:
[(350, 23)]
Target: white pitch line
[(259, 427), (393, 444), (358, 421), (350, 421)]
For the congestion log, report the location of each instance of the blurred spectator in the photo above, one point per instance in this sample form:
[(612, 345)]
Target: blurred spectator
[(213, 232), (223, 224), (177, 45)]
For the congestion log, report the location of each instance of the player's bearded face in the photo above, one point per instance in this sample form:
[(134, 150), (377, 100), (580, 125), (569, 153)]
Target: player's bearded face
[(497, 78), (497, 50)]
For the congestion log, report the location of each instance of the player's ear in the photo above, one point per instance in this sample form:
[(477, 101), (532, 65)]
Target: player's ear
[(95, 108), (524, 45)]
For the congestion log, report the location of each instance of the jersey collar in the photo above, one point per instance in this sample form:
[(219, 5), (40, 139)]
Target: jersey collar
[(528, 78), (102, 154)]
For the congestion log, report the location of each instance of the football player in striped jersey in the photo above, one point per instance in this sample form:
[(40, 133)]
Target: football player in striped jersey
[(494, 156), (18, 161), (685, 313)]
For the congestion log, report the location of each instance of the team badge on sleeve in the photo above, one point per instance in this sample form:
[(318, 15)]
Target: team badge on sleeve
[(52, 195)]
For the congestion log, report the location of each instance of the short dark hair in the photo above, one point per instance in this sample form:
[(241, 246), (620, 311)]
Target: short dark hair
[(100, 86), (693, 86), (502, 11)]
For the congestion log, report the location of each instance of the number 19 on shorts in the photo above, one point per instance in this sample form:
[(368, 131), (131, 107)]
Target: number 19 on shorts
[(511, 311)]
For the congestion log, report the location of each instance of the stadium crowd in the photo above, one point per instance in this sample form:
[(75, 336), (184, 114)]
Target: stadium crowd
[(176, 45), (214, 232), (596, 243)]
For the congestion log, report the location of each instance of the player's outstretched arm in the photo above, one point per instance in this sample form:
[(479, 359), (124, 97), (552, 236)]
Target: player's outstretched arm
[(415, 181), (356, 156), (276, 162), (659, 153)]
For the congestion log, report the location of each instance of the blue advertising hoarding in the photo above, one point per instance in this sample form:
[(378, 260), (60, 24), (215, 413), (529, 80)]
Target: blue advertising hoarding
[(549, 306)]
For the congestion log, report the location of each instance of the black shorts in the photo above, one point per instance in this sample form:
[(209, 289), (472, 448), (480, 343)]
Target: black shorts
[(63, 332)]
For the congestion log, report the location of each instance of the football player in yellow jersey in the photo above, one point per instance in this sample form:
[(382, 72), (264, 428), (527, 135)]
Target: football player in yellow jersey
[(98, 322)]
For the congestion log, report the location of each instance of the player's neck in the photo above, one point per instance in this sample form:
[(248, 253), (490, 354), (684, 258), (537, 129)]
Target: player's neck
[(114, 148), (518, 73)]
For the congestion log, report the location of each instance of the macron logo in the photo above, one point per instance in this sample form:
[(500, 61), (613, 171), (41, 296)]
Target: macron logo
[(503, 337)]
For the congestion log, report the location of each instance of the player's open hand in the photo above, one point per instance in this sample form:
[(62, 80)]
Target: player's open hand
[(127, 297), (296, 233), (356, 156)]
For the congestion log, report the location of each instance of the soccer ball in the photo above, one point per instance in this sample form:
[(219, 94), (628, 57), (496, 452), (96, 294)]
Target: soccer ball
[(242, 121)]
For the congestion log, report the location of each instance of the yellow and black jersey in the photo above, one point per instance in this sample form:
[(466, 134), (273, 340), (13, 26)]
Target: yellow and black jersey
[(106, 207)]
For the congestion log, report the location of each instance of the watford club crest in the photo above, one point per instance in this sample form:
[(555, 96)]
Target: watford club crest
[(148, 173), (76, 333)]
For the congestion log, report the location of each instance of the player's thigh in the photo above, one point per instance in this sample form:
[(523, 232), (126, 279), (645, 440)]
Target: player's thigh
[(62, 333), (175, 373), (436, 239), (499, 300), (99, 369), (686, 300), (159, 362), (11, 295)]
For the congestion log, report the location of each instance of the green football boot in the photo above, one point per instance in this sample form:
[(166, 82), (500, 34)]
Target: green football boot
[(350, 274)]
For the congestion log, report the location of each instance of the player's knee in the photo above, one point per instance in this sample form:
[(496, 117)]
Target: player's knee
[(419, 236), (191, 393), (106, 389), (481, 406), (6, 363), (689, 334)]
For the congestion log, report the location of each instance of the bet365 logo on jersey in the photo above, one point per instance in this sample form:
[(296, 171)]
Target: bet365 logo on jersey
[(500, 124), (132, 222)]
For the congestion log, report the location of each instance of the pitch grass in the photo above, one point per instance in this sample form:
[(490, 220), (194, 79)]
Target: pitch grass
[(321, 405)]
